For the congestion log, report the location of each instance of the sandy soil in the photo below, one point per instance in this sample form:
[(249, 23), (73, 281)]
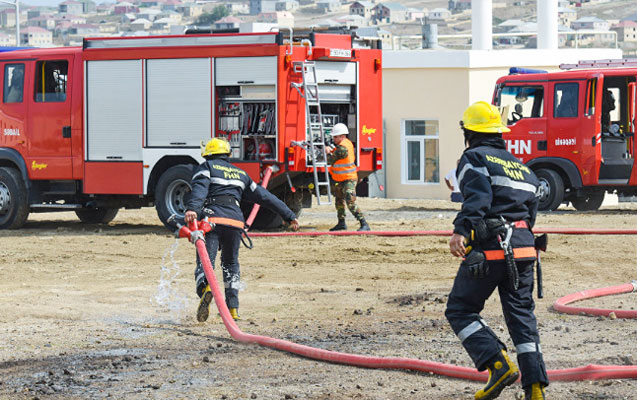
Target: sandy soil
[(92, 312)]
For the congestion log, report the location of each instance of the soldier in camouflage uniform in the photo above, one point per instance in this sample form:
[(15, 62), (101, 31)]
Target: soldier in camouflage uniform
[(344, 178)]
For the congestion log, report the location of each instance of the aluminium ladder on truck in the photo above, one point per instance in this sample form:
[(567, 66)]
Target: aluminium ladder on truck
[(315, 146)]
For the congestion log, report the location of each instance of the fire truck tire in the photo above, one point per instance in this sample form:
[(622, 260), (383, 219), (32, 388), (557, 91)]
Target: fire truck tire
[(97, 215), (588, 202), (171, 191), (14, 207), (551, 189)]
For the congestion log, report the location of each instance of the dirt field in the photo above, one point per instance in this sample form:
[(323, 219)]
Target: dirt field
[(92, 312)]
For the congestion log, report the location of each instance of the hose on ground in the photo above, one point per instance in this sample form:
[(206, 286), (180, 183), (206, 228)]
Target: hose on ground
[(589, 372)]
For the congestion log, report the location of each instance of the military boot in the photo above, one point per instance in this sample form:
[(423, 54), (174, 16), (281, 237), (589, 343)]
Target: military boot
[(340, 226), (234, 313), (534, 392), (204, 304), (502, 373), (364, 226)]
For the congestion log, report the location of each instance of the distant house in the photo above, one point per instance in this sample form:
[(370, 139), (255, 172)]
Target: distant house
[(36, 36), (439, 14), (225, 23), (626, 31), (161, 24), (286, 5), (7, 40), (456, 6), (73, 19), (261, 6), (71, 7), (170, 5), (281, 18), (43, 21), (149, 3), (328, 6), (88, 6), (140, 24), (174, 17), (351, 20), (238, 8), (7, 18), (375, 33), (124, 8), (509, 25), (148, 13), (84, 29), (593, 23), (363, 8), (566, 15), (414, 14), (389, 13), (190, 9)]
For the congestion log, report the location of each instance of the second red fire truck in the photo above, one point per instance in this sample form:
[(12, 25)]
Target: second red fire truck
[(575, 128), (118, 122)]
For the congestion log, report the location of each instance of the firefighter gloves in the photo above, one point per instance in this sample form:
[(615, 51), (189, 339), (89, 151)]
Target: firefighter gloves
[(477, 264)]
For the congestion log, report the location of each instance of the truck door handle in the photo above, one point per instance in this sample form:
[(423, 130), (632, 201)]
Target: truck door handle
[(66, 132)]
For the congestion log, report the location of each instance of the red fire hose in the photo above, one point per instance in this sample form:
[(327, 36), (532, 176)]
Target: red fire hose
[(561, 303), (264, 183), (589, 372)]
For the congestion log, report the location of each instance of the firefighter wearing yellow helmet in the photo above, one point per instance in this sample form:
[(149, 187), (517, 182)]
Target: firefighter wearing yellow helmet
[(492, 233), (218, 187)]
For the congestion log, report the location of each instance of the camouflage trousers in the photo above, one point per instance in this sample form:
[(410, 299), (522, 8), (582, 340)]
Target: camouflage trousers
[(345, 194)]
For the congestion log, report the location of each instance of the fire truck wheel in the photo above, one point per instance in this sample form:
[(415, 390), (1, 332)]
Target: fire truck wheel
[(96, 215), (14, 208), (588, 202), (171, 191), (551, 189)]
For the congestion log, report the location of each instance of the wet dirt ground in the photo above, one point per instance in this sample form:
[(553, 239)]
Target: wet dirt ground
[(91, 312)]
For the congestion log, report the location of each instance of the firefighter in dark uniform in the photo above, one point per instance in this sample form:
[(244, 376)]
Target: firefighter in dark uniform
[(342, 159), (217, 190), (492, 232)]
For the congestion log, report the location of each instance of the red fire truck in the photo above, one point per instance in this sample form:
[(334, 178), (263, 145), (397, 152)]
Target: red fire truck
[(575, 128), (118, 122)]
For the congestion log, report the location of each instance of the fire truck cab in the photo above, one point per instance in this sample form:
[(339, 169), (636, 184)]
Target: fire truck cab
[(575, 128), (118, 122)]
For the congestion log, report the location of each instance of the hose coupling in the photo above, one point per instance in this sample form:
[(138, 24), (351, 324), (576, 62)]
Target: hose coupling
[(634, 283)]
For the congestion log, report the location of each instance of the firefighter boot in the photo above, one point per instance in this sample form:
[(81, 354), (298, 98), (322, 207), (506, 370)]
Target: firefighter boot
[(340, 226), (534, 392), (364, 226), (204, 305), (502, 373), (234, 313)]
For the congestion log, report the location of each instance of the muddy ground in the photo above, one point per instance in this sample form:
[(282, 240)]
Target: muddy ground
[(93, 312)]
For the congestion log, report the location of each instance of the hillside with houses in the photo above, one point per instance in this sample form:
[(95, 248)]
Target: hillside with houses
[(400, 24)]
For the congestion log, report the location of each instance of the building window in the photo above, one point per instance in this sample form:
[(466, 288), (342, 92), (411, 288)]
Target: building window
[(420, 151)]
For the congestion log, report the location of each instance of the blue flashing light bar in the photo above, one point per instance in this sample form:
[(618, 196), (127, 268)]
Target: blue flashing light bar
[(12, 48), (518, 70)]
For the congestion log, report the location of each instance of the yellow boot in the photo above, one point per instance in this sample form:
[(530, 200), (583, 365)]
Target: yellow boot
[(534, 392), (502, 373), (234, 313), (204, 305)]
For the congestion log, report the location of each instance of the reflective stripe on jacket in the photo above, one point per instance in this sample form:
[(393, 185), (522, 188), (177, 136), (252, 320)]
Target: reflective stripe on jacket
[(344, 169)]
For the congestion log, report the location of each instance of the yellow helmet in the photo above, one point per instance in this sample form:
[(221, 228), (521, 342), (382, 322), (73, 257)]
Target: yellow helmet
[(484, 118), (215, 146)]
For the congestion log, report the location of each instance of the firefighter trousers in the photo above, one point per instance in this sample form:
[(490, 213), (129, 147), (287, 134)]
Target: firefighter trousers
[(227, 239), (466, 301)]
